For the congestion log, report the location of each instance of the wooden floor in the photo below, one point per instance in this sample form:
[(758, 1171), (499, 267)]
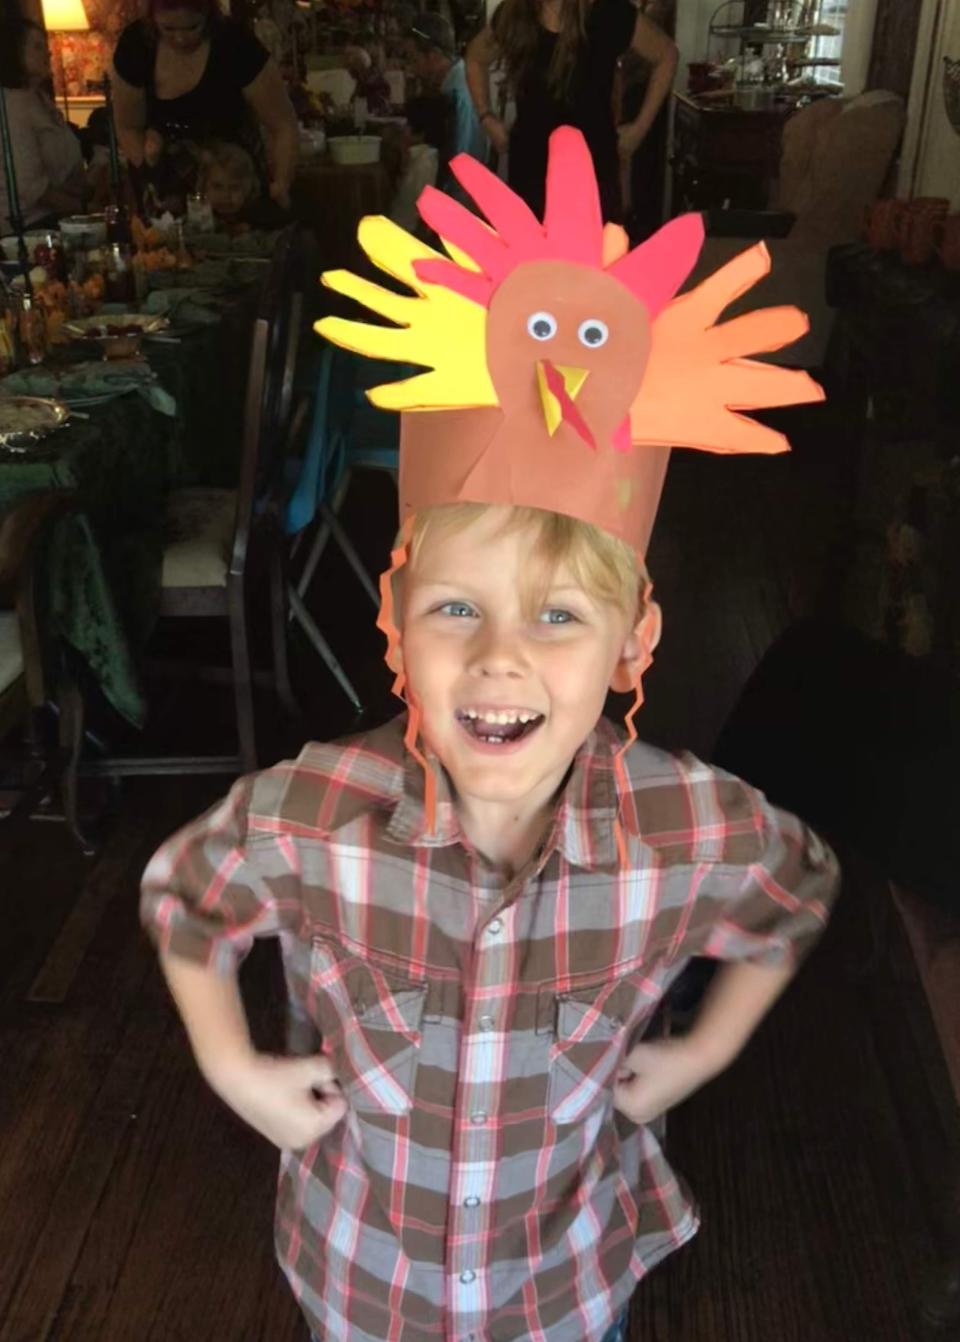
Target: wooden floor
[(135, 1208)]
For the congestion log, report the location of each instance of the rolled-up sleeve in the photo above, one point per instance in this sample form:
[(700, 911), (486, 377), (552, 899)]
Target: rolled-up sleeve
[(205, 895), (775, 909)]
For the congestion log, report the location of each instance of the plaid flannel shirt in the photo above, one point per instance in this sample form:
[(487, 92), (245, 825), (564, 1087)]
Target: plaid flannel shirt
[(481, 1188)]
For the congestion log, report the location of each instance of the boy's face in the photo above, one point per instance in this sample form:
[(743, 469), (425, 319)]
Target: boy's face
[(470, 649), (226, 192)]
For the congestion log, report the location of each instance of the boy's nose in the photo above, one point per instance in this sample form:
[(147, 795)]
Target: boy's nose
[(497, 653)]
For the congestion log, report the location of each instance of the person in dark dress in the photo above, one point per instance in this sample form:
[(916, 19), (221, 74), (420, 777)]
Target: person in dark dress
[(561, 59), (185, 77)]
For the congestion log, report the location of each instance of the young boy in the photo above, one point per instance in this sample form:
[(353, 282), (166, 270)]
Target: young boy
[(482, 904)]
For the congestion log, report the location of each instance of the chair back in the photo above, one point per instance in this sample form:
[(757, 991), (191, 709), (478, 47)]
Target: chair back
[(25, 529), (324, 455), (270, 380), (343, 423), (835, 158)]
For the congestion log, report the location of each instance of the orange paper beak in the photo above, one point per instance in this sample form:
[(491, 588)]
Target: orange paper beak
[(559, 386)]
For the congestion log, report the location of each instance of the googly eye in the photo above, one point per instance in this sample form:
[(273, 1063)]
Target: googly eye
[(593, 333), (542, 325)]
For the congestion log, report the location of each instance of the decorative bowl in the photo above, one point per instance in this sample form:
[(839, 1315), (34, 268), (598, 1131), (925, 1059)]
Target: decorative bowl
[(354, 150), (84, 230), (119, 334)]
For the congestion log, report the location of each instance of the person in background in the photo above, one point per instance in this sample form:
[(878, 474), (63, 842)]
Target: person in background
[(561, 58), (371, 82), (186, 74), (432, 59), (428, 127), (645, 184), (46, 151)]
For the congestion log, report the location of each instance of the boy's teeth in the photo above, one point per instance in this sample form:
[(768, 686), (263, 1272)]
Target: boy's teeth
[(500, 717)]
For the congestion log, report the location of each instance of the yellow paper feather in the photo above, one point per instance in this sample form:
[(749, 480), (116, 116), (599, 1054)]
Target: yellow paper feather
[(439, 330)]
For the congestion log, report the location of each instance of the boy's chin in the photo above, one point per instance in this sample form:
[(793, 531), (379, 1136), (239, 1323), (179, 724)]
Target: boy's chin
[(512, 779)]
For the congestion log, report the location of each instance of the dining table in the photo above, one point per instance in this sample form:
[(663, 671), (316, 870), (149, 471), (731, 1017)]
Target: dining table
[(138, 429)]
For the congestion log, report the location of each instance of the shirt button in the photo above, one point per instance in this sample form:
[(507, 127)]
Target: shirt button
[(495, 927), (472, 1201), (479, 1117), (467, 1277), (486, 1023)]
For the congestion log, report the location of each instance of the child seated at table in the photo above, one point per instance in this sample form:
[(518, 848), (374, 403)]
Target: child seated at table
[(425, 161), (229, 180)]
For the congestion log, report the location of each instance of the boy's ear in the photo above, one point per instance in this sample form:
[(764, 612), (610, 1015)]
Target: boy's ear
[(638, 650)]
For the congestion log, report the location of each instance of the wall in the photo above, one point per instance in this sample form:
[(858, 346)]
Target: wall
[(693, 20), (930, 162)]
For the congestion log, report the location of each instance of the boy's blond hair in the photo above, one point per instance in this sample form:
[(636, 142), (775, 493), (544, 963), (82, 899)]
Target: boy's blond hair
[(607, 569)]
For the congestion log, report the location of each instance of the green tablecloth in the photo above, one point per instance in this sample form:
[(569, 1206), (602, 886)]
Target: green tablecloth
[(101, 571)]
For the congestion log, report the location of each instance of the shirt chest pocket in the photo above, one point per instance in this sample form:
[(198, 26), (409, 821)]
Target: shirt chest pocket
[(370, 1020), (590, 1033)]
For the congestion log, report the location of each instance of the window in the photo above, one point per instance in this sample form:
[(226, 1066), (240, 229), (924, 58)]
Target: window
[(832, 13)]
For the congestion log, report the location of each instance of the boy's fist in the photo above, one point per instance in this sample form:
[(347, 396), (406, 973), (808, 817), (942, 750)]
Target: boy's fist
[(656, 1075), (293, 1102)]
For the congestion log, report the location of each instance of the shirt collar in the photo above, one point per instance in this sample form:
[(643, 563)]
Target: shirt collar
[(583, 824)]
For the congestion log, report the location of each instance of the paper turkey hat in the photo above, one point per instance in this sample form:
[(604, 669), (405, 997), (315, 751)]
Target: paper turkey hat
[(560, 367)]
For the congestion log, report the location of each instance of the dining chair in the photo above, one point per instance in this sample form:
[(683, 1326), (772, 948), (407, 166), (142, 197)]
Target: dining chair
[(17, 538), (209, 531), (346, 434), (45, 766), (836, 155)]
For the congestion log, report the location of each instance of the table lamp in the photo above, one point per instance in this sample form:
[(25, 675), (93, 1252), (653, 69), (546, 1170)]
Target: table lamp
[(64, 16)]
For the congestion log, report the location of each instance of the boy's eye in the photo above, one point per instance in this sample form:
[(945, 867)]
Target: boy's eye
[(461, 609), (556, 615)]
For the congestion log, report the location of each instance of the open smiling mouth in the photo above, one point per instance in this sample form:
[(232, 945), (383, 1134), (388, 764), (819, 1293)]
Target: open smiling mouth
[(492, 727)]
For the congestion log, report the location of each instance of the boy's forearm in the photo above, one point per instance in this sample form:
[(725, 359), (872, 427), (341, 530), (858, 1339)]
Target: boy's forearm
[(739, 997), (212, 1012)]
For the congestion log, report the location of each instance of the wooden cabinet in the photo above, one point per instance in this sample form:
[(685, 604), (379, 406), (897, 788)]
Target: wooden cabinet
[(725, 152)]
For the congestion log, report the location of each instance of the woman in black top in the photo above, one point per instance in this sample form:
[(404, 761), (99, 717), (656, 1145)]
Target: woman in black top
[(185, 76), (561, 60)]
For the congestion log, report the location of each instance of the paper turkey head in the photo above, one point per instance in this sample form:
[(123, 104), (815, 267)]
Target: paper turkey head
[(566, 351)]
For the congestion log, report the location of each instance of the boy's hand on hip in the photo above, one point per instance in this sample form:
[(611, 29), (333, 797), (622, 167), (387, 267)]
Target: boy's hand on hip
[(656, 1075), (293, 1102)]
